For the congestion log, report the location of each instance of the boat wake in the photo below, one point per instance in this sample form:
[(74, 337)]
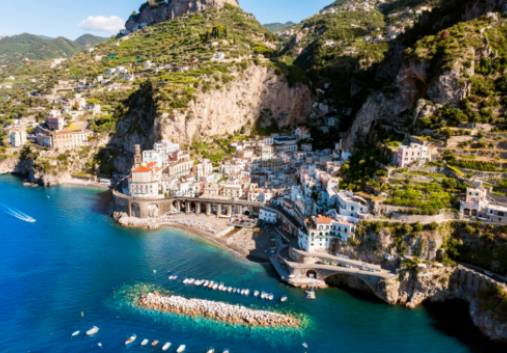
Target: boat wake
[(19, 215)]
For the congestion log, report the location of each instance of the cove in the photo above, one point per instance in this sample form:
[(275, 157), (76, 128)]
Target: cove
[(63, 272)]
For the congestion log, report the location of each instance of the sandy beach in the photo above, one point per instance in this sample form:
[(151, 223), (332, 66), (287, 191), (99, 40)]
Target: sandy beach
[(251, 244)]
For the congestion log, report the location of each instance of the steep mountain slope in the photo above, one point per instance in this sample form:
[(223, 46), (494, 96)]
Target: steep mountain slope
[(450, 72), (277, 27), (154, 11), (208, 74), (15, 49)]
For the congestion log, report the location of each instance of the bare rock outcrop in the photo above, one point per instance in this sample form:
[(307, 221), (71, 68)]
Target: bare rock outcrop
[(151, 12), (256, 93)]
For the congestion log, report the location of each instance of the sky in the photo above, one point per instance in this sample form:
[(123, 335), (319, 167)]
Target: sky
[(72, 18)]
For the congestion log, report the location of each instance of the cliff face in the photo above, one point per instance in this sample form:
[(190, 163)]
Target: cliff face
[(440, 77), (256, 93), (150, 14)]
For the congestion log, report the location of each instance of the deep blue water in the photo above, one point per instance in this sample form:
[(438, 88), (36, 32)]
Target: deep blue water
[(74, 259)]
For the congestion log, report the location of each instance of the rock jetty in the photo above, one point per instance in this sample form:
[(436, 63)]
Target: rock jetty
[(218, 311)]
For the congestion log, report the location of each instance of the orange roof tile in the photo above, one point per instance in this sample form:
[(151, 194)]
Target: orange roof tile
[(323, 220)]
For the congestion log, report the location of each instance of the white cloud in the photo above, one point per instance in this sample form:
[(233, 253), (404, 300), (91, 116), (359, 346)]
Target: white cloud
[(104, 24)]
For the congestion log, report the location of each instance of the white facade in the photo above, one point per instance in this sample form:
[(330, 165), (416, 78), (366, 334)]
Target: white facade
[(145, 181), (477, 204), (323, 232), (17, 137), (415, 153), (351, 205), (204, 169)]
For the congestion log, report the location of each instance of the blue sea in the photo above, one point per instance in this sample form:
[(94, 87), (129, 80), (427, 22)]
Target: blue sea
[(68, 270)]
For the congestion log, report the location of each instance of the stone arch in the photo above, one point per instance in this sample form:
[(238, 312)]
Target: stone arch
[(136, 210), (312, 274)]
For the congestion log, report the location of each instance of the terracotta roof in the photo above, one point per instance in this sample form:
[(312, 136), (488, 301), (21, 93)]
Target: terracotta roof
[(323, 220), (142, 169)]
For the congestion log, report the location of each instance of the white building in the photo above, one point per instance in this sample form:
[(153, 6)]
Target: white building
[(477, 204), (267, 215), (351, 205), (204, 169), (323, 233), (415, 153), (145, 181), (17, 137)]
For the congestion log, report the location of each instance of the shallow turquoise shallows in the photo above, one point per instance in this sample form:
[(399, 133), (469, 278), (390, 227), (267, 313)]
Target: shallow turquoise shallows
[(66, 272)]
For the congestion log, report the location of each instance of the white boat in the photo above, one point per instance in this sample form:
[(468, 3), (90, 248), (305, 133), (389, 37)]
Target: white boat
[(181, 349), (93, 331), (283, 299), (226, 351), (99, 345), (166, 346), (76, 333), (211, 350), (256, 293), (305, 345), (145, 342), (130, 340), (155, 343)]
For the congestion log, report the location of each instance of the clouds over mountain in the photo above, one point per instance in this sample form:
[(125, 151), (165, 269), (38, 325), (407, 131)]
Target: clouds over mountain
[(103, 24)]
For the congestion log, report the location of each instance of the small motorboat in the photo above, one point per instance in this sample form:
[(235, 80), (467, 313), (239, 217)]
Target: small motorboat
[(145, 342), (93, 331), (166, 346), (181, 349), (226, 351), (284, 299), (76, 333), (305, 345), (155, 343), (99, 345), (211, 350), (131, 340)]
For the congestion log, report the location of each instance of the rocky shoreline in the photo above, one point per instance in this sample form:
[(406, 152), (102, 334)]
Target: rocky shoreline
[(218, 311)]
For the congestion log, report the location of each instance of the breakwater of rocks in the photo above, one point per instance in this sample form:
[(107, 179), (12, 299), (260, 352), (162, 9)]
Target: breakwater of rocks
[(218, 311)]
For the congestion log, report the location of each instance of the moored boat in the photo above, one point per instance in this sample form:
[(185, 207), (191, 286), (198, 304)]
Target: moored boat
[(131, 340), (93, 331), (155, 343), (181, 349), (211, 350), (145, 342), (166, 346), (76, 333), (283, 299)]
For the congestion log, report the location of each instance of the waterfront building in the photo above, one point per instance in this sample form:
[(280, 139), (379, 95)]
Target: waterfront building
[(322, 233), (415, 153), (145, 181)]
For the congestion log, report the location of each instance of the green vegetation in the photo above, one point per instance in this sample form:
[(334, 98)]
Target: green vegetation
[(17, 48), (494, 301), (480, 245), (455, 48), (216, 150), (365, 171)]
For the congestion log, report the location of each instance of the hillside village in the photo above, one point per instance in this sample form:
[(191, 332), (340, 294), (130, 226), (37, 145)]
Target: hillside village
[(160, 127)]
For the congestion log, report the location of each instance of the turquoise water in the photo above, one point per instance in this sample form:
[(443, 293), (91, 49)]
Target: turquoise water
[(65, 272)]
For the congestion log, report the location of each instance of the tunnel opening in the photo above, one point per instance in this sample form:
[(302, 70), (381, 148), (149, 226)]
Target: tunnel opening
[(354, 286)]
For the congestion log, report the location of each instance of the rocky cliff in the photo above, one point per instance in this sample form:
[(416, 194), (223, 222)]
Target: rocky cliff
[(421, 84), (154, 11), (421, 257), (257, 93)]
